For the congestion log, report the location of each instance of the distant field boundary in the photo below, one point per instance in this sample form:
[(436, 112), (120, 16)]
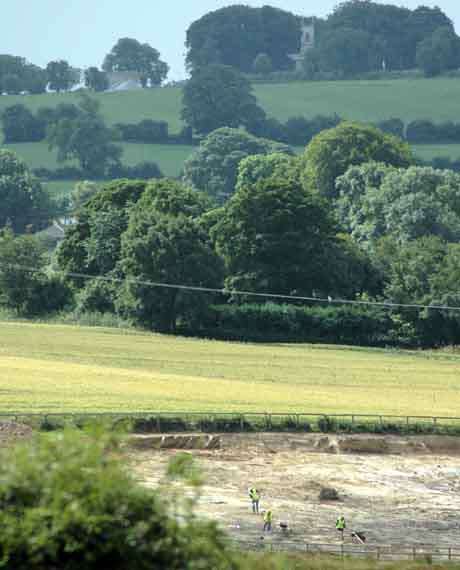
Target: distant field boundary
[(382, 553), (207, 422)]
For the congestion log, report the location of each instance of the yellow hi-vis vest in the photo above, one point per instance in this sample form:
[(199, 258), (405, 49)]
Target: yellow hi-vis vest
[(340, 524), (268, 517), (254, 495)]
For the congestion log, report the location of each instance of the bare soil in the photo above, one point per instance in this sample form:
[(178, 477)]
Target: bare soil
[(401, 492)]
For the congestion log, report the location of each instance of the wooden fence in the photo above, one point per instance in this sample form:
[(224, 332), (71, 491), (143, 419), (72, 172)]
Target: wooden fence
[(384, 553), (154, 421)]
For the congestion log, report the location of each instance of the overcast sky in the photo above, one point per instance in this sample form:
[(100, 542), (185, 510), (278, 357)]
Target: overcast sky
[(83, 31)]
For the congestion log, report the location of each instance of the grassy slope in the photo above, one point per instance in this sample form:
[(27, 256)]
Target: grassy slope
[(170, 158), (409, 99), (62, 368), (435, 99)]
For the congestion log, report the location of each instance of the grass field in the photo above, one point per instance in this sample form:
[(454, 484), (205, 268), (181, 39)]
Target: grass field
[(408, 99), (430, 151), (170, 158), (64, 368)]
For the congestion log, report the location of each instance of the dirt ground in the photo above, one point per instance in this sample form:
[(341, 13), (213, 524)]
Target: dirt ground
[(409, 499)]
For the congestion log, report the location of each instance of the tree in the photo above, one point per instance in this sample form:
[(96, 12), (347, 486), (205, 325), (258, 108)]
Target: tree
[(332, 152), (17, 75), (73, 253), (23, 202), (213, 167), (422, 271), (394, 31), (263, 166), (24, 286), (263, 64), (96, 80), (83, 192), (376, 201), (350, 51), (87, 139), (439, 52), (60, 75), (130, 55), (20, 125), (273, 236), (218, 96), (165, 243), (236, 35), (77, 483)]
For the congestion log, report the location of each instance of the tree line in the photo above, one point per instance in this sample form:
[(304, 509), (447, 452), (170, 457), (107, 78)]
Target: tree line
[(351, 218), (356, 37), (17, 75)]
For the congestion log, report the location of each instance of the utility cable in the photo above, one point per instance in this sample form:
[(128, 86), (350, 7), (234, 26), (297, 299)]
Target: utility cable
[(195, 288)]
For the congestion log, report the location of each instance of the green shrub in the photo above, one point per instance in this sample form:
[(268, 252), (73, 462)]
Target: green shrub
[(67, 503), (327, 424), (272, 322)]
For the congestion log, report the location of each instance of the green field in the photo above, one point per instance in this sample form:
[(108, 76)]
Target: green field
[(430, 151), (170, 158), (408, 99), (58, 368)]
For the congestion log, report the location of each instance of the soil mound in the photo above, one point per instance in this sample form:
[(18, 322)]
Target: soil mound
[(12, 431)]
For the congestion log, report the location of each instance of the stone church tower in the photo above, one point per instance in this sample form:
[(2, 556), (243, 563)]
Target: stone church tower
[(307, 42)]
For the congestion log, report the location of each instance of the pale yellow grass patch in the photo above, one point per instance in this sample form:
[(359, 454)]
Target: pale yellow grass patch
[(61, 368)]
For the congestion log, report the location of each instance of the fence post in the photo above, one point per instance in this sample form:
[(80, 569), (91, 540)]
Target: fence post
[(242, 422), (414, 553), (158, 424), (378, 552), (450, 554)]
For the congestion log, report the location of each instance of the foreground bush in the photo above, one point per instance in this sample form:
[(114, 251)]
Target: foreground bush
[(66, 503)]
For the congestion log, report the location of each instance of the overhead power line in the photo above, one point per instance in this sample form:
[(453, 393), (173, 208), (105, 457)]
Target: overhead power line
[(226, 292)]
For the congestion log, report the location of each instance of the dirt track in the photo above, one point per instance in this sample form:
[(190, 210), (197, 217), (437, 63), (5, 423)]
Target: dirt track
[(409, 499)]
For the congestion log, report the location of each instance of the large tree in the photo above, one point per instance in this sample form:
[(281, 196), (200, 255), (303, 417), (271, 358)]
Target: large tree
[(393, 32), (236, 35), (377, 200), (87, 139), (96, 80), (20, 125), (60, 75), (218, 96), (165, 243), (89, 249), (130, 55), (213, 168), (23, 202), (274, 237), (332, 152), (439, 52), (24, 285), (17, 75)]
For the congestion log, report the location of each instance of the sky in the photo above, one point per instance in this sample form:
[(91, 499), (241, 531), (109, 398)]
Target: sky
[(84, 31)]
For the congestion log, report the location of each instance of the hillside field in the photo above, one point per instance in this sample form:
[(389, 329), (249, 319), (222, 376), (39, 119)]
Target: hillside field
[(409, 99), (369, 101), (170, 158), (57, 368)]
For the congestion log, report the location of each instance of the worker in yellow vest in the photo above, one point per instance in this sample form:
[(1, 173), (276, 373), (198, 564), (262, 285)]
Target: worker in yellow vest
[(268, 519), (254, 495), (341, 525)]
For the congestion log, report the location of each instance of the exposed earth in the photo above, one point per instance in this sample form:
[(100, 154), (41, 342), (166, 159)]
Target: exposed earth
[(398, 491)]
